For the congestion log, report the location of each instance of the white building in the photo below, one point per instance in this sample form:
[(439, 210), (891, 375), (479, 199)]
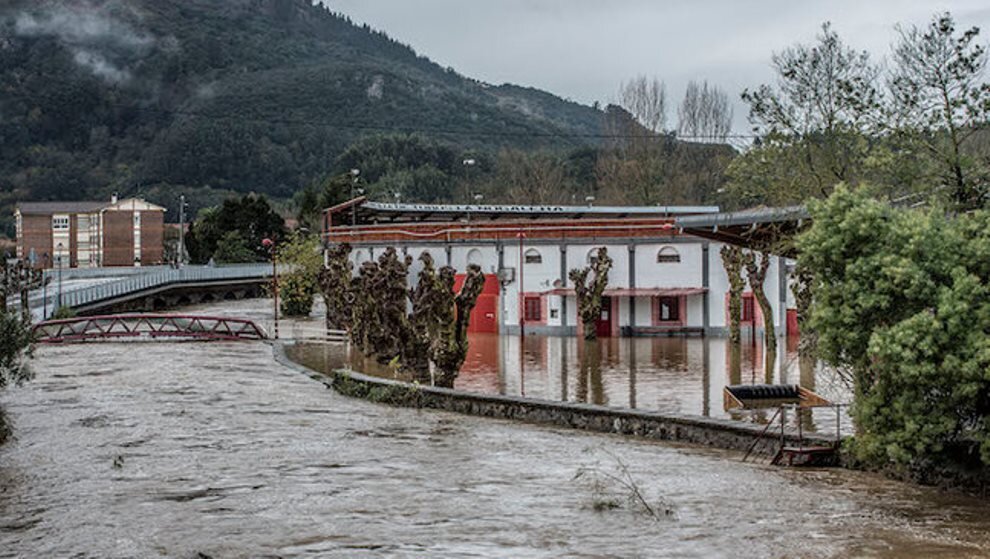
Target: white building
[(664, 280)]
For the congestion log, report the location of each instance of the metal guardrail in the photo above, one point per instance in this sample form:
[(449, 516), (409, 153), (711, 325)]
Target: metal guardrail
[(92, 294)]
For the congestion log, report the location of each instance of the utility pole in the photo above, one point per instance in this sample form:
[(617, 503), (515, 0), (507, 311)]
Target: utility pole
[(273, 246), (182, 230)]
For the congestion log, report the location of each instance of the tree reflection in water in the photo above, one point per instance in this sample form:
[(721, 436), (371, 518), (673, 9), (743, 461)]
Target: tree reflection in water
[(673, 375)]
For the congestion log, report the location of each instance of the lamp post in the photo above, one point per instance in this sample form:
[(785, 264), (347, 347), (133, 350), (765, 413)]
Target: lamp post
[(355, 174), (522, 289), (58, 260), (44, 287), (468, 165), (270, 245), (180, 260)]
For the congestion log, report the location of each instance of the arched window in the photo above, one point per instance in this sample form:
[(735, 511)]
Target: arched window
[(533, 256), (474, 257), (668, 255)]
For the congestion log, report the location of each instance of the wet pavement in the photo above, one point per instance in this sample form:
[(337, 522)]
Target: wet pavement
[(215, 450)]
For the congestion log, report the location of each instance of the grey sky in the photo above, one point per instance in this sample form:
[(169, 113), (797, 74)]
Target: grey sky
[(582, 49)]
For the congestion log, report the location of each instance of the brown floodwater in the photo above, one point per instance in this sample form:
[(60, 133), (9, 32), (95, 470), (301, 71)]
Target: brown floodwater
[(677, 375), (215, 450)]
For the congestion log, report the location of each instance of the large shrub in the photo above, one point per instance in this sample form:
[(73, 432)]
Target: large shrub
[(901, 299)]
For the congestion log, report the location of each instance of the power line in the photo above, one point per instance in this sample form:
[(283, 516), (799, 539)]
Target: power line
[(413, 130)]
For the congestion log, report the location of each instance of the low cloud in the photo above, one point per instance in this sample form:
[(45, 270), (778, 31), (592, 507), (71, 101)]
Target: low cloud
[(97, 38)]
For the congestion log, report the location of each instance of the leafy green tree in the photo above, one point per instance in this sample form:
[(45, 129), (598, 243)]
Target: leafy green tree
[(901, 300), (320, 195), (298, 286), (233, 249), (941, 100), (16, 338), (815, 124), (251, 217)]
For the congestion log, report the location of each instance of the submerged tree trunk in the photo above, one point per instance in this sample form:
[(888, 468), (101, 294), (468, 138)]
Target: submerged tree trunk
[(452, 347), (732, 259), (757, 274), (589, 295)]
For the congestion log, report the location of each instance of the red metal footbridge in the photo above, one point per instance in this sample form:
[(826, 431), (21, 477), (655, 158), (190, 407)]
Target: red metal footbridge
[(147, 327)]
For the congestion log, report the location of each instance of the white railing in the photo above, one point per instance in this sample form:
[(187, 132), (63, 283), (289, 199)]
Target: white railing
[(157, 278)]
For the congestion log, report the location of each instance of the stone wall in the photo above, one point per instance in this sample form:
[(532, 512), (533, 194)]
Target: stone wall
[(719, 433)]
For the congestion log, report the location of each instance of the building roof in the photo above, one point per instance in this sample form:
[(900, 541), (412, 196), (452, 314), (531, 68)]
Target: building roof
[(83, 207), (758, 228), (360, 211), (49, 208)]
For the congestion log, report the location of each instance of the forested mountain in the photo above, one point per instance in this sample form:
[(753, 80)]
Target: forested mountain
[(206, 97)]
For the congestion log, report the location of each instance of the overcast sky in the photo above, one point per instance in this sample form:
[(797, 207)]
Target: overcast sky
[(582, 49)]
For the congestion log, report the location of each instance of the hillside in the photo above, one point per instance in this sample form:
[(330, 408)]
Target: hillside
[(208, 97)]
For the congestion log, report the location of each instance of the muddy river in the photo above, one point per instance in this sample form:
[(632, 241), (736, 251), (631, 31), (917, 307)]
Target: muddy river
[(215, 450)]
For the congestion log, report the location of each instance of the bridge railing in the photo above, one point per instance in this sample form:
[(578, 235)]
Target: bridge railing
[(161, 277), (151, 326)]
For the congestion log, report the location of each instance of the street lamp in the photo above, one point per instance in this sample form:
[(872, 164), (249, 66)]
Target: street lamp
[(271, 246), (180, 259), (468, 165), (58, 260), (45, 278), (355, 174)]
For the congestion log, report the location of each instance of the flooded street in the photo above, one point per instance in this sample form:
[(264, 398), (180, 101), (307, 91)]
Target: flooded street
[(215, 450)]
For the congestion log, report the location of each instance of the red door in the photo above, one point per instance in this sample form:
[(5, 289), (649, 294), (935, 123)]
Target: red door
[(604, 324), (484, 317)]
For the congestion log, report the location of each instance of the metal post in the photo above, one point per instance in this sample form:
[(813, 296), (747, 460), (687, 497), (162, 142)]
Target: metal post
[(59, 259), (782, 414), (182, 230), (275, 283), (838, 429), (355, 173), (522, 291), (271, 245)]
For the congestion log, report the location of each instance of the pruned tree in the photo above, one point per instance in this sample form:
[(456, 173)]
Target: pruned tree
[(733, 261), (335, 286), (432, 312), (756, 272), (450, 348), (379, 322), (589, 291), (940, 97)]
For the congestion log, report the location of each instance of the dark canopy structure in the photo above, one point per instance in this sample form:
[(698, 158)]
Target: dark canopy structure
[(765, 229)]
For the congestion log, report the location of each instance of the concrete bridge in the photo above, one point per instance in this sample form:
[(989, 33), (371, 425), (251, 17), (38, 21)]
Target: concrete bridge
[(154, 289)]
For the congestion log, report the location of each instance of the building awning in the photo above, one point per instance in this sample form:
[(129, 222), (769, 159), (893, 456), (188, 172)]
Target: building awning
[(638, 291)]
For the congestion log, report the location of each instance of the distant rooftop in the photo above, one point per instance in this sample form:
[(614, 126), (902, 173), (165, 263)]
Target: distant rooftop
[(48, 208), (363, 212), (82, 207)]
